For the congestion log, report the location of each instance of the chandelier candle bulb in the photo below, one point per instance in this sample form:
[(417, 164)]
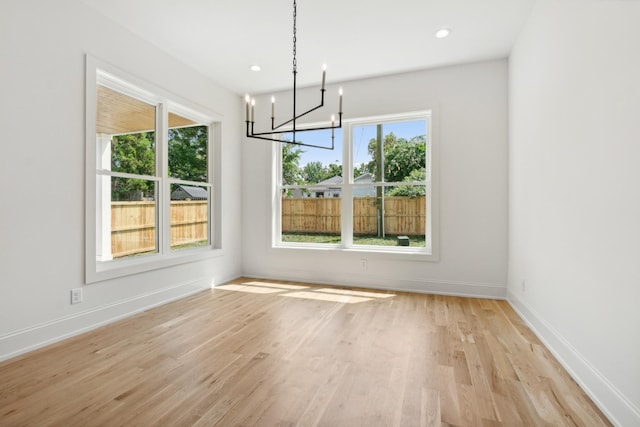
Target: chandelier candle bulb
[(248, 101), (324, 75), (340, 101), (291, 125)]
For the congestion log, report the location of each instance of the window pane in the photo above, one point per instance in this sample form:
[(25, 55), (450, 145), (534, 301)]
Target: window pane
[(311, 165), (308, 218), (125, 133), (312, 214), (188, 142), (389, 216), (126, 218), (403, 151), (189, 216)]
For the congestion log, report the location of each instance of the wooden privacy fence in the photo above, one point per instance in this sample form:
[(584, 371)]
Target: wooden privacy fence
[(133, 225), (403, 215)]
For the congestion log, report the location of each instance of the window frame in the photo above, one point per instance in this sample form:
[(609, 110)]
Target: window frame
[(431, 252), (101, 73)]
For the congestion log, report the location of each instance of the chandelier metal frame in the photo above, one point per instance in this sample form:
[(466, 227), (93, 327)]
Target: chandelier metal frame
[(282, 127)]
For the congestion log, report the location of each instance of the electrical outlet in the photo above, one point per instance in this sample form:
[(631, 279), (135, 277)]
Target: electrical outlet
[(524, 286), (363, 263), (76, 296)]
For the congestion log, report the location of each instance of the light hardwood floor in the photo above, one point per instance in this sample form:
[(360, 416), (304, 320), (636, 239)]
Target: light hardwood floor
[(270, 353)]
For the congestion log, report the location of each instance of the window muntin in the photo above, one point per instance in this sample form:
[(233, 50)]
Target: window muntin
[(188, 148), (189, 216), (401, 218), (380, 210), (128, 127), (133, 219), (126, 181), (391, 156), (311, 187)]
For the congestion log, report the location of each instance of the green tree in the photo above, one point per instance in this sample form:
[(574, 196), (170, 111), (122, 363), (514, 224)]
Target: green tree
[(411, 190), (401, 156), (291, 174), (314, 172), (333, 169), (135, 154), (362, 169), (188, 153)]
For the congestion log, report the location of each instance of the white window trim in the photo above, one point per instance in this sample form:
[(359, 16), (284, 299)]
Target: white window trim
[(346, 245), (118, 79)]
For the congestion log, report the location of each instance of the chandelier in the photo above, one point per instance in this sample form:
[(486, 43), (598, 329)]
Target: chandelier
[(290, 124)]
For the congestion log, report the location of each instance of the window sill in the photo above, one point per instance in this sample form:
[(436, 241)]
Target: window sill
[(106, 270), (391, 252)]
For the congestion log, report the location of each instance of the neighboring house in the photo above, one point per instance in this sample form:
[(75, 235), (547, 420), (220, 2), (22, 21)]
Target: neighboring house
[(364, 191), (331, 187), (189, 192)]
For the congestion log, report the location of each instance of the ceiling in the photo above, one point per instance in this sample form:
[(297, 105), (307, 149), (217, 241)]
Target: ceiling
[(355, 38)]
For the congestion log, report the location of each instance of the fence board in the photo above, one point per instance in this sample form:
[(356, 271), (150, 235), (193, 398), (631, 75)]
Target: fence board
[(402, 215), (133, 225)]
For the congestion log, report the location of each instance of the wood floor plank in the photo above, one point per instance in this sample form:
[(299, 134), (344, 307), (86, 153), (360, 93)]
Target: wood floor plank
[(278, 353)]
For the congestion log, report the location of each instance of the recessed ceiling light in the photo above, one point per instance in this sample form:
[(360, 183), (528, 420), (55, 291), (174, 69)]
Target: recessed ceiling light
[(255, 68), (442, 33)]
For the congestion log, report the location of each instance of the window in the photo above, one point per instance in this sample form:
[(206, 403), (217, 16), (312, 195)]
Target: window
[(310, 185), (384, 205), (150, 191)]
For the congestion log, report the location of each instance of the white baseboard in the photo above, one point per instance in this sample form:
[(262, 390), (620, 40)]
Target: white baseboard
[(437, 287), (616, 406), (25, 340)]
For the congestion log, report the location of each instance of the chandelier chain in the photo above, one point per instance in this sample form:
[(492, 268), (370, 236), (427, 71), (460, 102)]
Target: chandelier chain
[(295, 65), (290, 125)]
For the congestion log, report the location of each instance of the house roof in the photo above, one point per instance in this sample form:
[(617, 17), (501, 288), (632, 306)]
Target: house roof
[(192, 192), (365, 177), (336, 180)]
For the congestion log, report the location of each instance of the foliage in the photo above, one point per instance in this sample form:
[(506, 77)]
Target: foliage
[(188, 153), (411, 190), (135, 154), (362, 169), (401, 156), (334, 169), (291, 174), (314, 172)]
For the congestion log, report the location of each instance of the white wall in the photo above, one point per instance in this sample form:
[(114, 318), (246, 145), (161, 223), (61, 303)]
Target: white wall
[(42, 80), (574, 197), (471, 104)]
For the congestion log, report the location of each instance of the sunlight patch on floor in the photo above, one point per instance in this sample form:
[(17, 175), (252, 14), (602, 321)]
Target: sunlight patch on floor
[(355, 293), (250, 289), (275, 285), (327, 297), (344, 296)]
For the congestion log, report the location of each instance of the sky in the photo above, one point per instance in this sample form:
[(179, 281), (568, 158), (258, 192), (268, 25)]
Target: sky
[(361, 137)]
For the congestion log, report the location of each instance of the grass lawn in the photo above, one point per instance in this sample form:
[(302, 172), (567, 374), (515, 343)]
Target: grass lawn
[(195, 244), (417, 241)]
